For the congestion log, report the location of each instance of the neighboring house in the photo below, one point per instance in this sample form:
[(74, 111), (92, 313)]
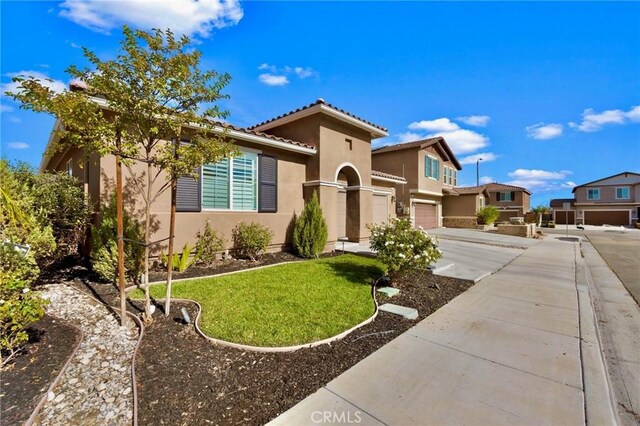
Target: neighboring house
[(459, 209), (431, 171), (315, 148), (564, 211), (512, 201), (614, 200)]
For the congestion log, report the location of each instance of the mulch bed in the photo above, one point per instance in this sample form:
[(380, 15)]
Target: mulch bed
[(28, 376), (185, 379)]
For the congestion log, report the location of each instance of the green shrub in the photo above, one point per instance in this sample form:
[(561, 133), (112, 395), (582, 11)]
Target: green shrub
[(21, 221), (209, 244), (403, 248), (181, 261), (104, 247), (66, 206), (250, 240), (310, 232), (488, 215), (19, 305)]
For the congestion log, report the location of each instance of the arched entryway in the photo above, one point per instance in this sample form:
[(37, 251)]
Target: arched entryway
[(348, 202)]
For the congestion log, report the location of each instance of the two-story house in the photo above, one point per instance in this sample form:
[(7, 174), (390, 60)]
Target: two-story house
[(318, 147), (512, 201), (613, 200), (431, 171)]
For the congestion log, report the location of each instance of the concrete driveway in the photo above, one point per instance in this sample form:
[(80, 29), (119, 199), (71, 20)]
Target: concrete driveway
[(482, 237)]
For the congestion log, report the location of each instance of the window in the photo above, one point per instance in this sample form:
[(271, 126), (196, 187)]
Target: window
[(505, 196), (231, 184), (482, 201), (432, 167), (69, 168), (450, 176), (593, 194), (622, 193)]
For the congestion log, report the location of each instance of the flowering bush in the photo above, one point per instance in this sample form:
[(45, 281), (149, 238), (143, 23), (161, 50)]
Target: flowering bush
[(403, 248)]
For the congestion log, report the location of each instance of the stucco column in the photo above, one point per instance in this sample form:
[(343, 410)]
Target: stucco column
[(328, 197), (359, 214)]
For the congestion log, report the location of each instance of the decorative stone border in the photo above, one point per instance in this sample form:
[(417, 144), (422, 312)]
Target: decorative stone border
[(36, 411)]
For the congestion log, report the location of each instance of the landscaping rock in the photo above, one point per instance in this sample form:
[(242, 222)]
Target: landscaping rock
[(101, 363)]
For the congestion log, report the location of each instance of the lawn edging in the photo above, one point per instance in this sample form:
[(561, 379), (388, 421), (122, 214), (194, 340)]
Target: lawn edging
[(36, 411), (292, 348)]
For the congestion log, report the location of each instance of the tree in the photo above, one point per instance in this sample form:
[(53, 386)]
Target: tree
[(539, 211), (310, 232), (138, 107)]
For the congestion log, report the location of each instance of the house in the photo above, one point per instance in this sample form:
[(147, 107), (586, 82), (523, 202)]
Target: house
[(459, 210), (613, 200), (318, 147), (512, 201), (431, 172), (564, 211)]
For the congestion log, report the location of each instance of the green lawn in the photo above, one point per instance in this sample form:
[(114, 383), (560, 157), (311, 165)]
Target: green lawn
[(283, 305)]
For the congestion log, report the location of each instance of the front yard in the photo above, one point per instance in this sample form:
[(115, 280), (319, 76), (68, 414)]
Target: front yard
[(283, 305)]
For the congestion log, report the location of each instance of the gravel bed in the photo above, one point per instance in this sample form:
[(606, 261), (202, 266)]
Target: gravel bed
[(96, 387)]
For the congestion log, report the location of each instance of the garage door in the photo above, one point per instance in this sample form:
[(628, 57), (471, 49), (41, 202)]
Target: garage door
[(342, 214), (426, 216), (606, 217), (380, 209), (564, 217)]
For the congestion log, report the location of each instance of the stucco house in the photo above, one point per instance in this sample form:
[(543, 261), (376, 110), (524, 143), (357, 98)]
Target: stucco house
[(460, 208), (564, 211), (511, 200), (431, 172), (613, 200), (318, 147)]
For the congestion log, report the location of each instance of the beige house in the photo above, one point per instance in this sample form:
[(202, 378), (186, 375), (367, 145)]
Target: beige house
[(460, 209), (431, 171), (318, 147), (614, 200), (512, 201)]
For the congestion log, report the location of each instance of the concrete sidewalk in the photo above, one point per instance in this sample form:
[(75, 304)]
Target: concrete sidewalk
[(508, 351)]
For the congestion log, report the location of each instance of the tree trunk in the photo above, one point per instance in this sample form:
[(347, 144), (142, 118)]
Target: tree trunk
[(172, 226), (120, 231), (147, 237)]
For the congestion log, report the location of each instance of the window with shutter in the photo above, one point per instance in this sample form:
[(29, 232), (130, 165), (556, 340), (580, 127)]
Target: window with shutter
[(244, 182), (215, 185), (231, 184), (188, 194), (268, 190)]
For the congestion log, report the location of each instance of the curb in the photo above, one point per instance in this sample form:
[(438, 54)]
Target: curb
[(36, 411)]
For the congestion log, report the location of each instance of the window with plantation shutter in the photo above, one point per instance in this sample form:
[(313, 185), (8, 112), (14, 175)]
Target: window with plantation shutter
[(231, 184), (215, 185), (268, 190), (244, 182)]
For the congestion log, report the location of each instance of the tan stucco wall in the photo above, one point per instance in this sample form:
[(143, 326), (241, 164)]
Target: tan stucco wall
[(427, 183), (462, 205), (607, 194), (521, 202), (401, 163)]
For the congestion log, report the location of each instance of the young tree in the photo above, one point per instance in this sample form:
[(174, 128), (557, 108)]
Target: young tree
[(139, 106), (310, 232)]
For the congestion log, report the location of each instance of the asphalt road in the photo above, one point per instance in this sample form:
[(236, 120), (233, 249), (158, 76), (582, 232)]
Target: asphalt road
[(621, 251)]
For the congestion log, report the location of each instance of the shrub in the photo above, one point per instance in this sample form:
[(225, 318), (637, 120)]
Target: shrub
[(310, 232), (66, 206), (251, 240), (403, 248), (488, 215), (181, 261), (19, 306), (104, 247), (209, 244)]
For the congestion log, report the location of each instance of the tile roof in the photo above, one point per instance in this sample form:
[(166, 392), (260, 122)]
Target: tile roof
[(388, 176), (320, 101), (423, 143), (495, 187), (265, 135), (605, 178), (470, 189)]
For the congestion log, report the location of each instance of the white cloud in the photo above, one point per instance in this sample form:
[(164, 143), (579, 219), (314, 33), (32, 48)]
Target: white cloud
[(5, 108), (268, 67), (55, 85), (475, 120), (409, 137), (273, 80), (463, 141), (541, 180), (544, 131), (304, 72), (18, 145), (486, 179), (484, 156), (190, 17), (593, 121), (437, 125)]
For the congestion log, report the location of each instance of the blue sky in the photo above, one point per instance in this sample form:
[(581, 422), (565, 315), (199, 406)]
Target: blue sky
[(548, 94)]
